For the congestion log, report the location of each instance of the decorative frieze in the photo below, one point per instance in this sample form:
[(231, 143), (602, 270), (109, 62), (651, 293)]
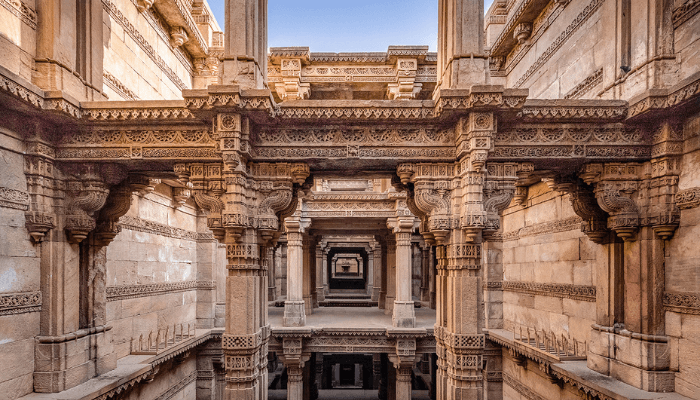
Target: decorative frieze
[(686, 303), (562, 225), (523, 390), (11, 198), (20, 303), (155, 228), (591, 81), (688, 198), (367, 136), (562, 290), (178, 387), (684, 11), (121, 89), (580, 19), (19, 91), (21, 11), (131, 30), (154, 289)]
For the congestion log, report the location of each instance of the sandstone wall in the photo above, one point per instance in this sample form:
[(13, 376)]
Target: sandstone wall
[(545, 256), (160, 270), (139, 61), (20, 297), (683, 275), (18, 37)]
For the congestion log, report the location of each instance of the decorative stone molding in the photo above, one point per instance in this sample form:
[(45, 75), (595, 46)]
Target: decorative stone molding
[(561, 290), (684, 11), (15, 89), (685, 303), (591, 81), (21, 11), (661, 99), (131, 30), (20, 303), (16, 199), (155, 228), (174, 390), (562, 225), (124, 292), (121, 89), (523, 390), (688, 198), (580, 19)]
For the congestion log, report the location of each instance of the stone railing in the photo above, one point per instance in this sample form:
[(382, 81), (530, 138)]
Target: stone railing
[(158, 340)]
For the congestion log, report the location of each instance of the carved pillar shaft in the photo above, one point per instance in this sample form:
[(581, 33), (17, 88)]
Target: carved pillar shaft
[(295, 383), (246, 44), (425, 274), (403, 383), (377, 271), (294, 313), (270, 258), (390, 276), (404, 314), (320, 273)]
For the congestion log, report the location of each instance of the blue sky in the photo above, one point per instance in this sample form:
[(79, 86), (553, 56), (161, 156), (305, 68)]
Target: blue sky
[(346, 26)]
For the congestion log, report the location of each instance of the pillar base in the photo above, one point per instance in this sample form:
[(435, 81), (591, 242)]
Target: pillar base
[(641, 361), (294, 313), (404, 314)]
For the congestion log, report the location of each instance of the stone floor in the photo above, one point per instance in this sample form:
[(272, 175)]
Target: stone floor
[(349, 394), (352, 317)]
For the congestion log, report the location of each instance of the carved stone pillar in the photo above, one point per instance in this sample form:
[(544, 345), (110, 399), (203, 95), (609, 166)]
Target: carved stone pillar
[(243, 202), (390, 276), (245, 51), (638, 199), (425, 273), (404, 315), (294, 359), (377, 271), (461, 58), (320, 293), (403, 361), (270, 273), (294, 313), (309, 273)]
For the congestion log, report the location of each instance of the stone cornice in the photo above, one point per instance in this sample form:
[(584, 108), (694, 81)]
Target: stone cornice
[(658, 100), (154, 289), (20, 303), (597, 110), (561, 290), (685, 303)]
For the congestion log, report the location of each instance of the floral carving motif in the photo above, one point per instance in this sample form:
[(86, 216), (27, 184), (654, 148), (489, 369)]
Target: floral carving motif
[(18, 303), (688, 198), (12, 198), (575, 292)]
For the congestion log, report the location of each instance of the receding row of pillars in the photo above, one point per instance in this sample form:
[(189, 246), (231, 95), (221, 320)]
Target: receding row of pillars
[(391, 285)]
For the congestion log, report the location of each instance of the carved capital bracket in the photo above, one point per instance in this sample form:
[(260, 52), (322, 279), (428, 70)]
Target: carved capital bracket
[(637, 195), (86, 193), (585, 205), (432, 188), (499, 190)]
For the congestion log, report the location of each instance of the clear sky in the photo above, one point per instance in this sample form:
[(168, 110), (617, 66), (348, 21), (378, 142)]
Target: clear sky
[(346, 26)]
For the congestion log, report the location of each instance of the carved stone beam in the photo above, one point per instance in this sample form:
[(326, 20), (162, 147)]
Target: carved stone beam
[(142, 183), (405, 87), (291, 87), (525, 179)]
